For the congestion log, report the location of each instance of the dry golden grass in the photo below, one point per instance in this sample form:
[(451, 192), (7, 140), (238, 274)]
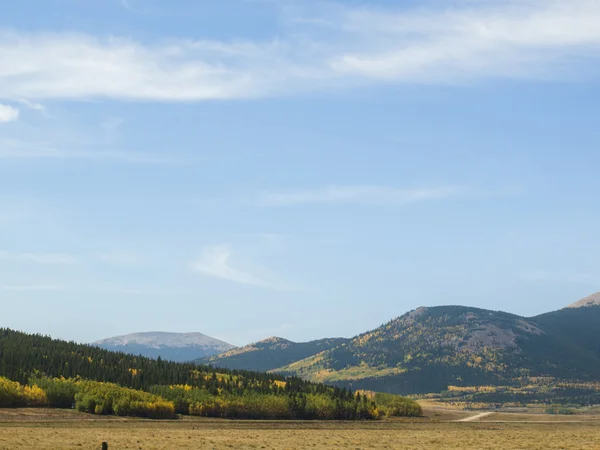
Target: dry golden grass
[(51, 430)]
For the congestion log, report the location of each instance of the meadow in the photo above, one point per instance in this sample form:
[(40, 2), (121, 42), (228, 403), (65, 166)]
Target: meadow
[(64, 429)]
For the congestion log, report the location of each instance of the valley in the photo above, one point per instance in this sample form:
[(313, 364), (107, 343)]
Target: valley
[(471, 378)]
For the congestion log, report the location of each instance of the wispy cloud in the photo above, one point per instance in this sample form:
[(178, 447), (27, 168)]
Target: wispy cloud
[(33, 105), (16, 209), (31, 287), (467, 40), (216, 262), (128, 5), (117, 290), (40, 258), (115, 258), (139, 291), (359, 195), (320, 47), (8, 113), (17, 149), (111, 127)]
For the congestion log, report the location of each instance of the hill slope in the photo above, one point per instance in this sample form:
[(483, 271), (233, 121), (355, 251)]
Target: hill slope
[(429, 349), (270, 354), (426, 350), (178, 347), (578, 327)]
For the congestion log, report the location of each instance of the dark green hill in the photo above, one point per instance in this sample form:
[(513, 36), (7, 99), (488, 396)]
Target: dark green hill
[(428, 349), (577, 326), (270, 354), (22, 354)]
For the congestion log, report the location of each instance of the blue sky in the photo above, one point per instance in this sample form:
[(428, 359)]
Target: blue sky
[(256, 168)]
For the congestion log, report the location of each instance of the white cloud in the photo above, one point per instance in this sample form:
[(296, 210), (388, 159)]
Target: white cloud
[(360, 195), (499, 38), (320, 48), (40, 258), (75, 66), (8, 113), (215, 262)]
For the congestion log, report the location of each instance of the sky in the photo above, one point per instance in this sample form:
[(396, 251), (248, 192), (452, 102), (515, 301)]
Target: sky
[(251, 168)]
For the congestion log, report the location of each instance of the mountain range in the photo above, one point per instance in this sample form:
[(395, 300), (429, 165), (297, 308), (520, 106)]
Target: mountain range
[(178, 347), (433, 348)]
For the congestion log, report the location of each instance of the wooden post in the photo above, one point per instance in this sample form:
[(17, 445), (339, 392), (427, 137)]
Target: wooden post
[(105, 446)]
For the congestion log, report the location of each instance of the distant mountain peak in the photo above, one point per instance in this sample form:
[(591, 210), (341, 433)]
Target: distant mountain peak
[(592, 300), (167, 345), (160, 339)]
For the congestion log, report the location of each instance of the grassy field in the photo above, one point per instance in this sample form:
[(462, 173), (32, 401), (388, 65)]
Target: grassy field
[(55, 429)]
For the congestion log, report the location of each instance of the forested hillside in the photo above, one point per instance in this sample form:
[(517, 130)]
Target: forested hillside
[(577, 327), (270, 354), (105, 382), (430, 350)]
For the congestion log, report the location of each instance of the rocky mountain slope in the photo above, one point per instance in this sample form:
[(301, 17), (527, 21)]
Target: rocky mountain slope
[(178, 347), (592, 300)]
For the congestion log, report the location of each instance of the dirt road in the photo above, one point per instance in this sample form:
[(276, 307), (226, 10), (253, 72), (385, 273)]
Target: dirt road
[(475, 417)]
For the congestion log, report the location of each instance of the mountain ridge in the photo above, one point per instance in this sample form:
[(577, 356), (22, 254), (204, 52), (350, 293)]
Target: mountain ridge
[(269, 353), (178, 347), (431, 348)]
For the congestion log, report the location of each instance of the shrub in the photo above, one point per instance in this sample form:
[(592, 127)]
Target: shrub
[(13, 394), (397, 406), (60, 392), (108, 398), (35, 396), (559, 410)]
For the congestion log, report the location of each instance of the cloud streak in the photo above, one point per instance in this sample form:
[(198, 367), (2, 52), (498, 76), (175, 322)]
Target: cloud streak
[(216, 262), (40, 258), (32, 105), (357, 195), (318, 48), (470, 40), (87, 289), (17, 149), (32, 288)]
